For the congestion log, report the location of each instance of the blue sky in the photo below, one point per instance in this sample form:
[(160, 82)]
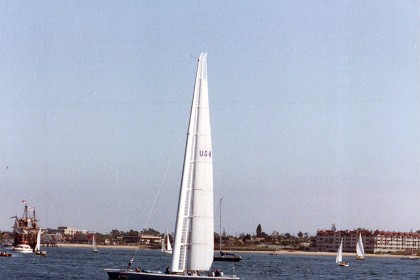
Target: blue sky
[(314, 108)]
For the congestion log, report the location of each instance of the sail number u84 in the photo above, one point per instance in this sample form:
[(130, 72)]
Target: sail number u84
[(205, 153)]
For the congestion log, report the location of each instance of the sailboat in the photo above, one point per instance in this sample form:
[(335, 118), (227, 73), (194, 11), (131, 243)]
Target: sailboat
[(224, 257), (166, 245), (38, 245), (412, 257), (94, 246), (360, 251), (339, 258), (193, 248)]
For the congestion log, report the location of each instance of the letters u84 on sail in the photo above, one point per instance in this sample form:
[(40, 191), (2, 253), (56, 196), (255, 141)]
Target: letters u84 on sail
[(205, 153)]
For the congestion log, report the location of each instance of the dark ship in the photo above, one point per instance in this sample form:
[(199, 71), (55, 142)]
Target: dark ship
[(26, 228)]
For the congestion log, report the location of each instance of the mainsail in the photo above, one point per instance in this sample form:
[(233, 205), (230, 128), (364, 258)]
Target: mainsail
[(360, 252), (168, 243), (94, 246), (38, 241), (339, 257), (194, 230)]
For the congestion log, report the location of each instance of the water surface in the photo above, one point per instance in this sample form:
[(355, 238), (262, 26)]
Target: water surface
[(81, 263)]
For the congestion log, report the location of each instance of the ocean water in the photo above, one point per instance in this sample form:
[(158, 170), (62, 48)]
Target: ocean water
[(77, 263)]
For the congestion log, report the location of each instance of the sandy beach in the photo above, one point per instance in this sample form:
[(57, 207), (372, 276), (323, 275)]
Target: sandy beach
[(279, 252)]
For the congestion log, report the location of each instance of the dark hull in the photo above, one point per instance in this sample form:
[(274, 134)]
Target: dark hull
[(132, 275), (410, 258), (115, 273), (227, 258), (154, 276)]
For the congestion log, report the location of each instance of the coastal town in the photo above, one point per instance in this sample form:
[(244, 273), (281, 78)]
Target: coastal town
[(326, 240), (26, 229)]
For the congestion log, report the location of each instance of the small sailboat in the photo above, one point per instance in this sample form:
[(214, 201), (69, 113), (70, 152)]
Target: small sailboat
[(94, 246), (339, 258), (224, 257), (38, 245), (412, 257), (166, 244), (360, 251), (193, 247)]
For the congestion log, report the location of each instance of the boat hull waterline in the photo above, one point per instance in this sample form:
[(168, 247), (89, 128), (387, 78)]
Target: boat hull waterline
[(124, 274), (5, 254), (227, 258)]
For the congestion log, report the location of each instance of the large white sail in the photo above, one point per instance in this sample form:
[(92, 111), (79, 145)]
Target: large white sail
[(360, 252), (194, 241)]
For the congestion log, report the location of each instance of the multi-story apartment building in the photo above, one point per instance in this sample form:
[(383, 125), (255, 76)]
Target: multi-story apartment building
[(373, 241), (65, 231)]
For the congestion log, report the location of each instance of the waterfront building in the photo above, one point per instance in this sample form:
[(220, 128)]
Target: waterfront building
[(63, 230), (373, 241)]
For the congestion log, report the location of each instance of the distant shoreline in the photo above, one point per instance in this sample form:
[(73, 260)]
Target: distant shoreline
[(279, 252), (122, 247)]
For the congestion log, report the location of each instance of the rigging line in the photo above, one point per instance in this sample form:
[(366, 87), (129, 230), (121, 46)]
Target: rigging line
[(218, 211), (162, 183), (219, 206), (160, 190), (46, 114)]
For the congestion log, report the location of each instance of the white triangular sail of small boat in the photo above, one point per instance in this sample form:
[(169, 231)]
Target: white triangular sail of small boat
[(194, 229), (163, 246), (339, 257), (166, 244), (38, 241), (360, 252), (94, 246)]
